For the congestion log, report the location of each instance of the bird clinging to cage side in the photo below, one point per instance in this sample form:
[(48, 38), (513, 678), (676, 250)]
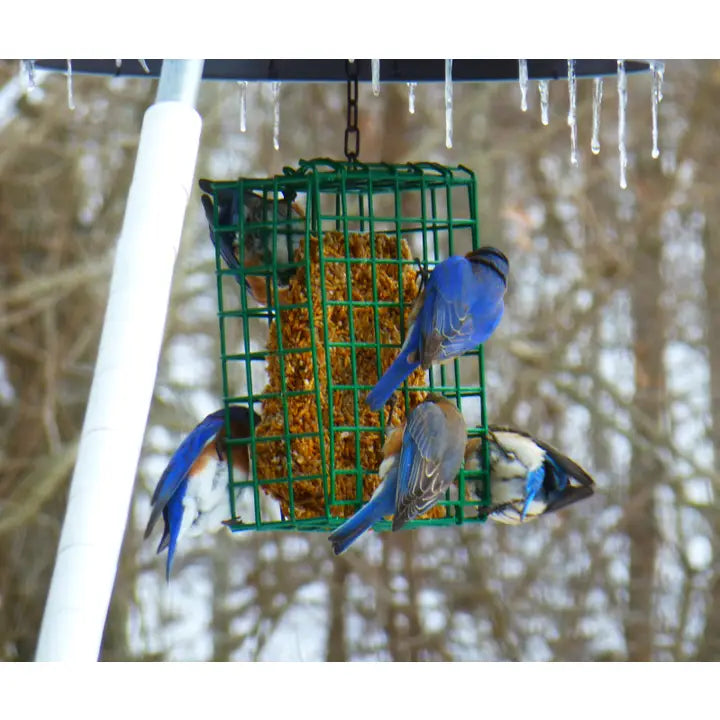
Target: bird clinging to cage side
[(421, 459), (528, 477), (258, 243), (432, 452), (458, 309), (192, 493)]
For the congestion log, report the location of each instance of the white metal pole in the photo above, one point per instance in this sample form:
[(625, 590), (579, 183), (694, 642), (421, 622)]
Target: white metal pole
[(124, 378)]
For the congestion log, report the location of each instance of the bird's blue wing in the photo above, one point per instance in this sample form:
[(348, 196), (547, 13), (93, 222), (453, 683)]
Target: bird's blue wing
[(420, 481), (533, 484), (227, 215), (172, 515), (446, 322), (181, 461)]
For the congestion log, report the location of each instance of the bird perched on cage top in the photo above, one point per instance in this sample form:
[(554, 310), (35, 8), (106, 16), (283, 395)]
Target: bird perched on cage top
[(192, 493), (459, 307), (421, 459), (258, 243), (528, 477)]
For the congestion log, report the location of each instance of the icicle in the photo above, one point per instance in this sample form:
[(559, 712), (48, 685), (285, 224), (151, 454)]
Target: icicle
[(544, 88), (375, 71), (658, 69), (448, 104), (71, 102), (597, 100), (29, 74), (572, 111), (243, 85), (523, 77), (622, 107), (411, 97), (118, 64), (144, 66), (276, 114)]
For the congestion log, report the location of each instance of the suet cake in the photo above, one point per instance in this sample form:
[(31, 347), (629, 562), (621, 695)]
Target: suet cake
[(293, 371)]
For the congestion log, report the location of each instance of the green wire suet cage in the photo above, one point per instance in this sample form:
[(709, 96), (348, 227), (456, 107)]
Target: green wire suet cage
[(350, 274)]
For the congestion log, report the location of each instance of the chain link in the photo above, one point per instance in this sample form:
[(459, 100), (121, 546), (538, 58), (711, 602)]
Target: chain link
[(352, 132)]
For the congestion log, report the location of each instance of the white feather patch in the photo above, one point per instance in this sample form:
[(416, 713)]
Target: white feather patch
[(206, 503)]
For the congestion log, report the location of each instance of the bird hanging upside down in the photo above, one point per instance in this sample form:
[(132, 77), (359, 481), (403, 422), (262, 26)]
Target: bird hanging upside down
[(258, 243), (192, 493), (528, 477)]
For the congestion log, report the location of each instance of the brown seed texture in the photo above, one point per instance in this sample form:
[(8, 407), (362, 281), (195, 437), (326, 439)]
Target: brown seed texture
[(294, 371)]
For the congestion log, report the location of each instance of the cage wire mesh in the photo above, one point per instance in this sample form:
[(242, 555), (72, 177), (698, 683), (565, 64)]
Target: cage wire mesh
[(340, 281)]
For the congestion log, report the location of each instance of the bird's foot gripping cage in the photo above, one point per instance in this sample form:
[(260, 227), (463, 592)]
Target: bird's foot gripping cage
[(336, 282)]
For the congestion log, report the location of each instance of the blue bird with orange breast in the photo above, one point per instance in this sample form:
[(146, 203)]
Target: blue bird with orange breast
[(528, 477), (421, 459), (458, 309), (258, 243), (192, 493)]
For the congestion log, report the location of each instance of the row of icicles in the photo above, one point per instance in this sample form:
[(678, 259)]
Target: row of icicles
[(656, 67), (29, 68)]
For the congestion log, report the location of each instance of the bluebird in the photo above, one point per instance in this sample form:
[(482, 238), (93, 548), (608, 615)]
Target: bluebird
[(432, 453), (258, 243), (192, 493), (420, 460), (458, 309), (528, 477)]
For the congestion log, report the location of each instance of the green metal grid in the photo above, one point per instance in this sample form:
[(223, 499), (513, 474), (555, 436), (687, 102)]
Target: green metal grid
[(435, 205)]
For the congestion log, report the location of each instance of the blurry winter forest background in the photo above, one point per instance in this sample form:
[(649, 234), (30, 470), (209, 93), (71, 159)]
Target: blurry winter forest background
[(609, 348)]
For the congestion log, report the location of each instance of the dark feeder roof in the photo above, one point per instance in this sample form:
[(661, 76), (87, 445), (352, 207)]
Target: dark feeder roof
[(334, 70)]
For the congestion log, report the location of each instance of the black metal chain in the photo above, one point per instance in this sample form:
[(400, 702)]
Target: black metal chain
[(352, 132)]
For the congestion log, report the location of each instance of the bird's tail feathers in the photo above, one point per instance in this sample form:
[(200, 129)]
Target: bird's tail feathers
[(168, 564), (380, 505), (164, 541), (352, 529), (571, 494), (390, 381)]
